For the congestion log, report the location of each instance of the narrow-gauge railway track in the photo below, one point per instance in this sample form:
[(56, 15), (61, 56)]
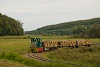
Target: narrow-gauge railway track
[(33, 55), (38, 58)]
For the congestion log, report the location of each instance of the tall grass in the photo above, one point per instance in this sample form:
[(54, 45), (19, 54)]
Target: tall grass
[(8, 63), (29, 62), (89, 56)]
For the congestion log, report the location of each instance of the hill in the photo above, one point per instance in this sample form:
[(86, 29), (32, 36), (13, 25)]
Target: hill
[(10, 26), (80, 27)]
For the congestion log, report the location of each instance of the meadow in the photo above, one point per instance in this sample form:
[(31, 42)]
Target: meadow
[(12, 49)]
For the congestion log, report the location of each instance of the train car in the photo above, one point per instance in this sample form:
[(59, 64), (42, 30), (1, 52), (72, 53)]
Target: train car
[(38, 46)]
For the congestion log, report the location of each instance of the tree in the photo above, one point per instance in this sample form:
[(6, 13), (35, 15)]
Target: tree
[(94, 31), (10, 26), (80, 30)]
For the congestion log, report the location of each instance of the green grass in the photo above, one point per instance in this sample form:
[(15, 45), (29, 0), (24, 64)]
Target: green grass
[(16, 57), (89, 56), (13, 44), (8, 63), (15, 37)]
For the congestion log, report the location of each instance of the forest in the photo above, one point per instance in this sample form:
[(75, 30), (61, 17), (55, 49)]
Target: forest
[(10, 26), (80, 28)]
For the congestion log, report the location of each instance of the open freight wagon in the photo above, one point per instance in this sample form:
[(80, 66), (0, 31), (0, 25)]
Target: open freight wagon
[(38, 46)]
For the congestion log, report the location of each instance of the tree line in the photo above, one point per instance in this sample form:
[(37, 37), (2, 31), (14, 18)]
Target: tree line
[(10, 26), (80, 28)]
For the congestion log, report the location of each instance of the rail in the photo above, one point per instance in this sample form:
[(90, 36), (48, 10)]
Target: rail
[(51, 60)]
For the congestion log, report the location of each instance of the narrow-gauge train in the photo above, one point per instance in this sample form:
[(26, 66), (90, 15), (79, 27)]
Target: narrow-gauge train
[(38, 46)]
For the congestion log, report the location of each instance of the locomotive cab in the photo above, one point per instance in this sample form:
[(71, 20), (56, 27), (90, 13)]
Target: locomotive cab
[(36, 45)]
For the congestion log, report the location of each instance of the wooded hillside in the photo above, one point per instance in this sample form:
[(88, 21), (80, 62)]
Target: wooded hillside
[(80, 27), (10, 26)]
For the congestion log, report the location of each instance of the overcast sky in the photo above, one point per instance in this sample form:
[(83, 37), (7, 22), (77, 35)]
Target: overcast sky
[(38, 13)]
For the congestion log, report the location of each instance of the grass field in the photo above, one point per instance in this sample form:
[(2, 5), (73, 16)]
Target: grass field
[(89, 56), (14, 45)]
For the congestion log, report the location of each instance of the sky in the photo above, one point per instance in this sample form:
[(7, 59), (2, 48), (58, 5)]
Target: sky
[(38, 13)]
